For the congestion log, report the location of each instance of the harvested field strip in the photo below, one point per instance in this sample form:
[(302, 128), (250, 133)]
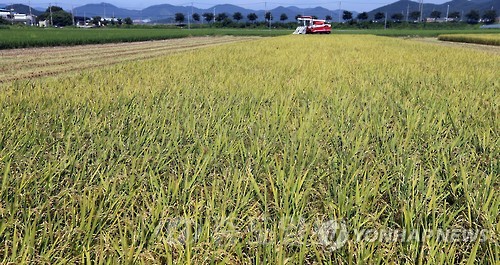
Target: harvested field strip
[(102, 48), (99, 53), (486, 39), (468, 46), (29, 63)]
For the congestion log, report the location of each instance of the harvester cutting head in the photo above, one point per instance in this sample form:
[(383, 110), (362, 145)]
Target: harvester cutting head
[(310, 25)]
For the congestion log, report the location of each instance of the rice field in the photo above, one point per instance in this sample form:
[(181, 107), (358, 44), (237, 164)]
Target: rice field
[(28, 37), (487, 39), (18, 64), (256, 152), (12, 38)]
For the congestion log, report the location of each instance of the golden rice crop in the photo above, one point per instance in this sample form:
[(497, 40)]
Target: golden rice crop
[(488, 39), (211, 156)]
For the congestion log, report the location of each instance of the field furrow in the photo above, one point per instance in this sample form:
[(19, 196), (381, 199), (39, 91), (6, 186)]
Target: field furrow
[(28, 63)]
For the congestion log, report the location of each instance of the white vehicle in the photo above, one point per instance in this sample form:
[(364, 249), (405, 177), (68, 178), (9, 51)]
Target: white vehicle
[(310, 25)]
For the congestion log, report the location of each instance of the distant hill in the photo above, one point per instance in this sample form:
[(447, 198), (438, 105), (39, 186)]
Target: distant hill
[(455, 6), (289, 11), (231, 9), (166, 12), (105, 10), (23, 9)]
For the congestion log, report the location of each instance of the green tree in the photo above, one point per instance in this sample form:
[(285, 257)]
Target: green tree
[(220, 17), (119, 21), (489, 16), (379, 16), (435, 14), (454, 15), (252, 17), (283, 17), (58, 16), (208, 16), (128, 21), (328, 17), (53, 9), (196, 17), (362, 16), (226, 22), (397, 17), (237, 16), (347, 15), (179, 17), (268, 16), (472, 17), (96, 20), (415, 15)]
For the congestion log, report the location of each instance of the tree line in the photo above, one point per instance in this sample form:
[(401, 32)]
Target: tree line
[(224, 17), (58, 17), (472, 17)]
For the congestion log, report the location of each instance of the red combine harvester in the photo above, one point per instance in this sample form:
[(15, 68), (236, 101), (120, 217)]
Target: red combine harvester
[(309, 25)]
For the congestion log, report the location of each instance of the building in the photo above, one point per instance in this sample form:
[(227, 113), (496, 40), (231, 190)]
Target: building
[(5, 13), (15, 17)]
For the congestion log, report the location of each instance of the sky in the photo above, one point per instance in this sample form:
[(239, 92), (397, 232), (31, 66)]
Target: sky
[(352, 5)]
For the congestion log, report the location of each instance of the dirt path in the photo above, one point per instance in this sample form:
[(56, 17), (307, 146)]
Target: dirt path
[(37, 62), (480, 47)]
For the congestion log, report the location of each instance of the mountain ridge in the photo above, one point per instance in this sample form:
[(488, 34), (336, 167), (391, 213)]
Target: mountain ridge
[(166, 12), (462, 6)]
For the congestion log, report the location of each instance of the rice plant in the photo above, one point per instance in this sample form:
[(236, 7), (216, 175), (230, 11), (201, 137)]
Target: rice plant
[(487, 39), (241, 153)]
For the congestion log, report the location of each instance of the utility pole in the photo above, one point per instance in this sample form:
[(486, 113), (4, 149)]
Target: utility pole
[(104, 15), (422, 10), (265, 12), (73, 15), (447, 13), (31, 14), (12, 16), (214, 14), (51, 19), (408, 13), (385, 21), (270, 19), (270, 15), (340, 11)]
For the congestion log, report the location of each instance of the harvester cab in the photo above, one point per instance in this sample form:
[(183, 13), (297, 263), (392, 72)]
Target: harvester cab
[(310, 25)]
